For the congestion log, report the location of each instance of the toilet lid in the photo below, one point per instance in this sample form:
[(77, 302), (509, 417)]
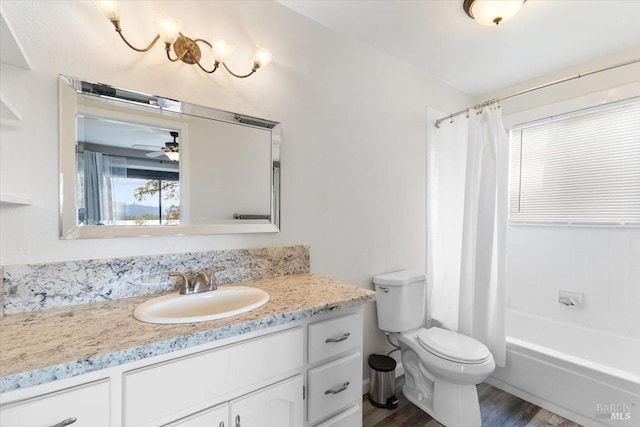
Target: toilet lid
[(453, 346)]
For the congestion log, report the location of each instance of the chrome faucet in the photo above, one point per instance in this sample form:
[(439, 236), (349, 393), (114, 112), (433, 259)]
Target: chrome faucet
[(212, 278), (201, 283), (184, 282), (193, 283)]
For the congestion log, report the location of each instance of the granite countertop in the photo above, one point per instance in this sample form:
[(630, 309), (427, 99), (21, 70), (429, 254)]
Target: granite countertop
[(43, 346)]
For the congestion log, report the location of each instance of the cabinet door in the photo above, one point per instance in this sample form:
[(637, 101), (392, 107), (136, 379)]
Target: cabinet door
[(88, 404), (214, 417), (277, 405)]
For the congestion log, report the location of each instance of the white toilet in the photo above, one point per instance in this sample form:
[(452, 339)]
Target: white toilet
[(441, 367)]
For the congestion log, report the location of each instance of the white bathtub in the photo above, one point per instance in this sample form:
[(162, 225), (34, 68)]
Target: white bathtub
[(579, 373)]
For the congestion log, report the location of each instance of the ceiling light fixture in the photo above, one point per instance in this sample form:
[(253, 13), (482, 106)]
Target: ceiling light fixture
[(185, 49), (492, 12)]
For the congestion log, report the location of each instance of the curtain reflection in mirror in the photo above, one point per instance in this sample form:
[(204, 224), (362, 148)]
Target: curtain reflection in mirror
[(97, 171)]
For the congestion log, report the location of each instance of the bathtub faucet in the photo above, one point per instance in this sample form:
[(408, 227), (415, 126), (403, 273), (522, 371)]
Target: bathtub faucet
[(568, 301), (570, 298)]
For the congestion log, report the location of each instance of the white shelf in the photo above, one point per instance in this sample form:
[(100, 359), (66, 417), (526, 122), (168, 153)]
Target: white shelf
[(11, 51), (14, 200), (8, 111)]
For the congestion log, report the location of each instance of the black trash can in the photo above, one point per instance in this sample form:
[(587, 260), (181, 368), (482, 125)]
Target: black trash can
[(382, 381)]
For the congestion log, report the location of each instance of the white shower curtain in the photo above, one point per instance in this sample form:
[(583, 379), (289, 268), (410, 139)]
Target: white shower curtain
[(466, 227)]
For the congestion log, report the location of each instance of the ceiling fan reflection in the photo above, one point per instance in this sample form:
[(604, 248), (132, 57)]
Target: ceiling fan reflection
[(170, 151)]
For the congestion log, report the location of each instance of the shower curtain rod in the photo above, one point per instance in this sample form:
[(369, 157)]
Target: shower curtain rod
[(532, 89)]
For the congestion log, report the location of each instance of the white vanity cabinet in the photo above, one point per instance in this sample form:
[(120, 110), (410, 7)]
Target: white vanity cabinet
[(335, 374), (300, 374)]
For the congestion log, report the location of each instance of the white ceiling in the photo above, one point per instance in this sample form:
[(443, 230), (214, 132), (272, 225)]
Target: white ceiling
[(439, 38), (120, 134)]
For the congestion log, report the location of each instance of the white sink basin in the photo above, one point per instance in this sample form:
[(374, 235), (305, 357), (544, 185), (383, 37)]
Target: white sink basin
[(226, 301)]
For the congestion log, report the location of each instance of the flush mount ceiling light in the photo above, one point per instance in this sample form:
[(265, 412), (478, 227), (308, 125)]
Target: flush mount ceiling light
[(185, 49), (492, 12)]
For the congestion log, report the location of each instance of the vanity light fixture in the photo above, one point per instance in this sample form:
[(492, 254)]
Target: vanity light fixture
[(185, 49), (492, 12)]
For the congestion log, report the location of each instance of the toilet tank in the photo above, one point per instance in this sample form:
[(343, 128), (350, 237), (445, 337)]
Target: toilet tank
[(400, 300)]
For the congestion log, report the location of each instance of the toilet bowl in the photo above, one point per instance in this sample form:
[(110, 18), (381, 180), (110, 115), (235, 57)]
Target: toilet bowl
[(441, 367), (442, 380)]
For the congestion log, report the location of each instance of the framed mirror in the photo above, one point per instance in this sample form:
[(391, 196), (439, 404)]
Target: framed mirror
[(134, 164)]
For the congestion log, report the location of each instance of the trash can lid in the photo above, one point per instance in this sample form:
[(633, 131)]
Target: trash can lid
[(382, 363)]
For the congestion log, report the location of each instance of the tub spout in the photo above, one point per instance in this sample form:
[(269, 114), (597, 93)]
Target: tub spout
[(570, 298)]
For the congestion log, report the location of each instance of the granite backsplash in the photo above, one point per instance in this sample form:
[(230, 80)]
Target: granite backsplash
[(42, 286)]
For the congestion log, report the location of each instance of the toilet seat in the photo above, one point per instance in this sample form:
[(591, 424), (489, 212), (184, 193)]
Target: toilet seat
[(453, 346)]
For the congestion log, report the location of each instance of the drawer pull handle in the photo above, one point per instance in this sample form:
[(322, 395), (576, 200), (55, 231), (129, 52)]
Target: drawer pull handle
[(238, 421), (342, 338), (340, 390), (66, 422)]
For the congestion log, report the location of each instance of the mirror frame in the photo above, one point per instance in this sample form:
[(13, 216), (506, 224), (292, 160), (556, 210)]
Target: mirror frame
[(71, 90)]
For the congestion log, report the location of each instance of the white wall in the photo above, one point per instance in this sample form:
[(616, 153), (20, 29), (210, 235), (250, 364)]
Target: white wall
[(601, 262), (229, 171), (353, 152)]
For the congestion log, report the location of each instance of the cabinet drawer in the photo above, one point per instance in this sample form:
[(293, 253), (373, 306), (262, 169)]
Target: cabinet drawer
[(352, 417), (88, 403), (334, 336), (156, 393), (334, 386)]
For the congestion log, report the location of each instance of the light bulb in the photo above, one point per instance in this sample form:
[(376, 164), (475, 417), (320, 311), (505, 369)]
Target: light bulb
[(261, 58), (221, 49), (168, 28), (494, 12), (110, 9)]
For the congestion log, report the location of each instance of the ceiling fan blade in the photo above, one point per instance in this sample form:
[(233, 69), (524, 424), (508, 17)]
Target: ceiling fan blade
[(156, 154), (145, 147)]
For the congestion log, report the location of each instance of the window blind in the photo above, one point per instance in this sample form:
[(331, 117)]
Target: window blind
[(578, 169)]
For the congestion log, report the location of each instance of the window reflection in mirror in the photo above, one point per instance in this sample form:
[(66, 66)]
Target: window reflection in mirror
[(127, 173)]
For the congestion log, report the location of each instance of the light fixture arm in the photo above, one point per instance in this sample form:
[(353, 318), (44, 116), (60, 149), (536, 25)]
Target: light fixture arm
[(119, 31), (211, 71), (240, 76), (177, 58), (215, 63), (190, 48)]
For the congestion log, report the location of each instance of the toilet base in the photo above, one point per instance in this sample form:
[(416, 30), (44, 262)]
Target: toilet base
[(456, 405), (453, 405), (423, 402), (448, 402)]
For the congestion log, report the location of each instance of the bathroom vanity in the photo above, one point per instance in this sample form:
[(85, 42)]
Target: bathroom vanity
[(297, 361)]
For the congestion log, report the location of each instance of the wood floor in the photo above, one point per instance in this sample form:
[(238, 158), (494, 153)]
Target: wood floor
[(498, 409)]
